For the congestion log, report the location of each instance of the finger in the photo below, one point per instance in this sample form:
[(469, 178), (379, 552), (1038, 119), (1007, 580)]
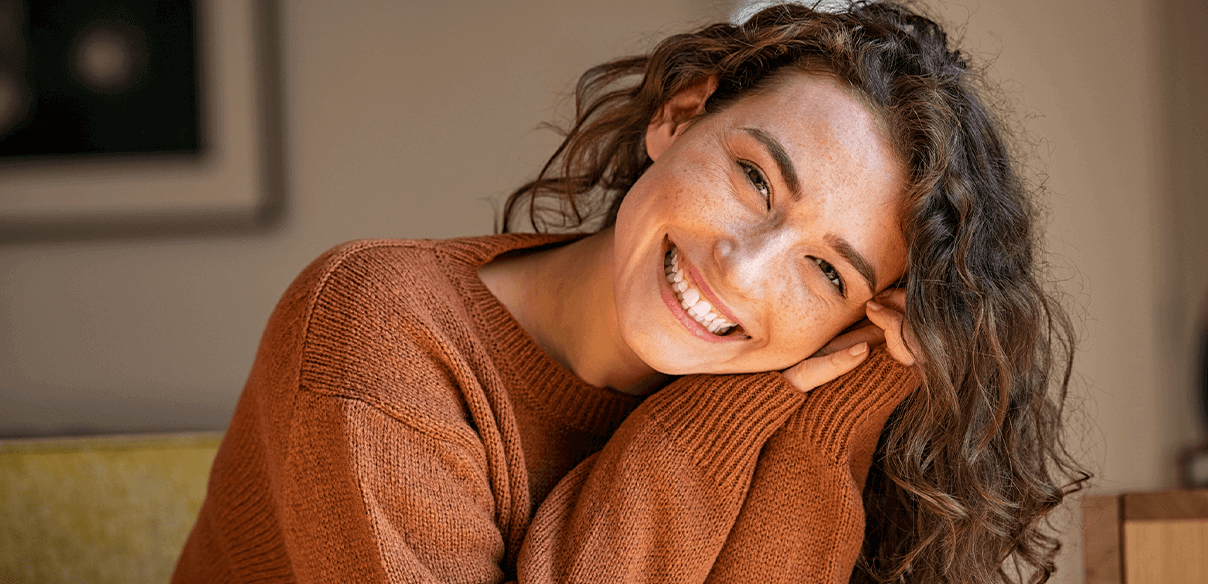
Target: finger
[(863, 322), (894, 298), (891, 321), (869, 333), (816, 371)]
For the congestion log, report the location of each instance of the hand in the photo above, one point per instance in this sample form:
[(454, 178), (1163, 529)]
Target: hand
[(885, 311), (884, 325), (825, 367)]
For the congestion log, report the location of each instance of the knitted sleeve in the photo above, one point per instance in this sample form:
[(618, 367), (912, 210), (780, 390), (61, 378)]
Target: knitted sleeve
[(412, 505), (386, 476), (803, 519), (367, 492), (352, 456), (390, 477), (349, 457), (367, 498), (656, 503)]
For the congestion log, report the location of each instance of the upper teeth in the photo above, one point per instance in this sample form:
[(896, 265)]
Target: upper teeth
[(690, 298)]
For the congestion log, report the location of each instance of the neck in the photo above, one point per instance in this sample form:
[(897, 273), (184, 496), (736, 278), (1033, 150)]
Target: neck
[(564, 300)]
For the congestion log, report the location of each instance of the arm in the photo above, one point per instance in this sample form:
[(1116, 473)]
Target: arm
[(367, 497), (803, 520), (656, 503), (327, 474)]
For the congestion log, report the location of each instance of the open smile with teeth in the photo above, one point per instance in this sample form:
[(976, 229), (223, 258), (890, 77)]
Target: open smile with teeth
[(691, 298)]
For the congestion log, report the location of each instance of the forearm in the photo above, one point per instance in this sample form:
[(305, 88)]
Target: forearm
[(803, 518), (656, 503)]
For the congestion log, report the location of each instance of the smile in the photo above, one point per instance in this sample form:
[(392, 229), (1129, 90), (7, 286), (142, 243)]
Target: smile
[(692, 301)]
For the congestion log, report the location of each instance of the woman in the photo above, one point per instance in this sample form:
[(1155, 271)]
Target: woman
[(775, 201)]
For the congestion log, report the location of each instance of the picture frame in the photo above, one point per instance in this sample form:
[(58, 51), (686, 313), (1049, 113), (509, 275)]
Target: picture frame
[(235, 181)]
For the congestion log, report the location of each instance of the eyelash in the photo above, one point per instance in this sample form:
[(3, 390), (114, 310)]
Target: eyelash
[(758, 180), (832, 275)]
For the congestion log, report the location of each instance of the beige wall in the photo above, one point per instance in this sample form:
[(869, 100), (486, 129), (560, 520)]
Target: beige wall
[(1087, 79), (1183, 157), (1084, 77), (388, 138), (403, 119)]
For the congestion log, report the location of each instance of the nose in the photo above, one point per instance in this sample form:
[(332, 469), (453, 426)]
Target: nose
[(746, 262)]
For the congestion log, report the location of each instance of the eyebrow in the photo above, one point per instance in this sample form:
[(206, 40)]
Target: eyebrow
[(789, 173), (855, 258), (781, 156)]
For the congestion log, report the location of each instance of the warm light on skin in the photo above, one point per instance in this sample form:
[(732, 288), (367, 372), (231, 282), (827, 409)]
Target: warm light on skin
[(598, 305), (760, 262)]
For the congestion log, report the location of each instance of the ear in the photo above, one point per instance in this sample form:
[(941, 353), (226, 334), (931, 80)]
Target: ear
[(673, 117)]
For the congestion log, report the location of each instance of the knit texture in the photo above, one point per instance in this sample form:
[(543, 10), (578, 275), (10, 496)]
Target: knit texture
[(399, 425)]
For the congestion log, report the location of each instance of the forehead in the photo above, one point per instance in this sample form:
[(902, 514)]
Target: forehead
[(812, 114), (849, 174)]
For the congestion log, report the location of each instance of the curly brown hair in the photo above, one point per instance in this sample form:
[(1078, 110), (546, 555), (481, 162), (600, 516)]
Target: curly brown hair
[(970, 465)]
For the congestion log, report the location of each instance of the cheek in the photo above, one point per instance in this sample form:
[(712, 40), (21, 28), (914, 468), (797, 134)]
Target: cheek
[(804, 325), (698, 186)]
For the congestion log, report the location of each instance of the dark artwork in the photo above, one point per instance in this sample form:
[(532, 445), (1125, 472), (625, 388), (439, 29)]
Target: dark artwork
[(84, 77)]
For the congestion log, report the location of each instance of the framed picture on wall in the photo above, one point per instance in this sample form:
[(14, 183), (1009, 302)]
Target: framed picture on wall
[(136, 116)]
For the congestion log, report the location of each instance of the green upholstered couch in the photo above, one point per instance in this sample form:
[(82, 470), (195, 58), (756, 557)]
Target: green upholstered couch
[(103, 509)]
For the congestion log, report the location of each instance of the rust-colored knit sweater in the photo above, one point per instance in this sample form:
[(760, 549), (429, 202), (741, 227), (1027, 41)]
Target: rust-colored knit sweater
[(399, 426)]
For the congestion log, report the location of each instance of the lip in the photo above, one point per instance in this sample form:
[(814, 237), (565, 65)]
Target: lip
[(718, 305), (697, 329)]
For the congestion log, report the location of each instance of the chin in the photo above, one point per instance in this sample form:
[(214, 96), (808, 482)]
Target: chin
[(658, 350)]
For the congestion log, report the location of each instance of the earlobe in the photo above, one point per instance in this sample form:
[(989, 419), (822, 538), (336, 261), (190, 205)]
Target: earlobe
[(673, 117)]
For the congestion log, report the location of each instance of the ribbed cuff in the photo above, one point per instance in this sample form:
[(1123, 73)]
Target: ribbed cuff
[(849, 412), (724, 420)]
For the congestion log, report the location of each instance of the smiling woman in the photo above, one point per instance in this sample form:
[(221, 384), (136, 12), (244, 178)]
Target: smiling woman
[(766, 205), (796, 335)]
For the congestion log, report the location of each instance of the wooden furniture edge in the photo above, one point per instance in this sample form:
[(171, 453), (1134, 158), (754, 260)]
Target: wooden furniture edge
[(1101, 528), (1165, 505)]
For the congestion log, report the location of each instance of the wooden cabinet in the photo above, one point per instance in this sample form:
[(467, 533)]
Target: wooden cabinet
[(1146, 538)]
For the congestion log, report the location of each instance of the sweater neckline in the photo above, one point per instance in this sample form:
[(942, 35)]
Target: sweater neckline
[(529, 372)]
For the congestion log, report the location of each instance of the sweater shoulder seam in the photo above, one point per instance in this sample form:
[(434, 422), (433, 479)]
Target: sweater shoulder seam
[(339, 255), (437, 431)]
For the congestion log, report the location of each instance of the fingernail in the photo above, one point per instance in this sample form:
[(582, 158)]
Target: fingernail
[(874, 305), (858, 349)]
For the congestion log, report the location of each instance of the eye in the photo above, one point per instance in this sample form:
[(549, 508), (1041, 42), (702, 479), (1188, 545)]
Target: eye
[(760, 182), (831, 274)]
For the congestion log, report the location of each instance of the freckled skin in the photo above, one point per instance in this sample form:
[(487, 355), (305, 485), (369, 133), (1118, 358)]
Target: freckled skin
[(760, 261)]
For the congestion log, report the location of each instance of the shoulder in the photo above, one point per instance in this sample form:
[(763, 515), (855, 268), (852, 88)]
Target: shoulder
[(385, 325), (385, 294), (359, 287), (347, 266), (391, 323), (409, 265), (361, 276), (371, 260), (373, 282)]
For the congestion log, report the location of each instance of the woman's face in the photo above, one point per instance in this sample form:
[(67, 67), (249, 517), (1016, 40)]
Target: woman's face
[(782, 213)]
